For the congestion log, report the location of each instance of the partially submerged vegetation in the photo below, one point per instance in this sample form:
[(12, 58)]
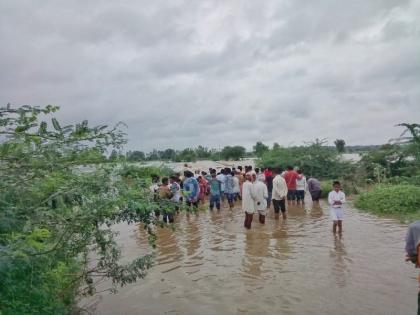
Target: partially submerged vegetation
[(56, 236)]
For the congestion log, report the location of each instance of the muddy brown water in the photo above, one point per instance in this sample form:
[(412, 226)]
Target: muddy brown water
[(211, 265)]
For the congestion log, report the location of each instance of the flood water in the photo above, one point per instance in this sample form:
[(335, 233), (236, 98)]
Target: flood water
[(211, 265)]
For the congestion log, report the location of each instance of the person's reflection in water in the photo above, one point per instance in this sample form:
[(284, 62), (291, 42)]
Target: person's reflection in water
[(295, 211), (167, 245), (339, 254), (256, 250), (282, 247), (193, 237), (316, 211)]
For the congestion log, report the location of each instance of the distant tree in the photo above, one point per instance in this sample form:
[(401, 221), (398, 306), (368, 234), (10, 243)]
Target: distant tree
[(186, 155), (233, 153), (276, 146), (340, 145), (154, 155), (215, 155), (135, 156), (202, 152), (114, 155), (260, 148), (168, 154)]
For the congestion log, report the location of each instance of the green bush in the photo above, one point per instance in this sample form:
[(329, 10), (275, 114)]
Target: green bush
[(391, 199), (326, 187), (135, 172), (415, 180), (314, 159), (56, 217), (349, 187)]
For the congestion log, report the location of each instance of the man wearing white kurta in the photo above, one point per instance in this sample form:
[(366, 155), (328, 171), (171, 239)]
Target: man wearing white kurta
[(279, 194), (261, 195), (248, 204)]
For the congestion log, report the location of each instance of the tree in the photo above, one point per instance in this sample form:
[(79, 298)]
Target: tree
[(412, 141), (389, 158), (135, 156), (315, 158), (234, 153), (398, 158), (340, 145), (114, 155), (168, 154), (276, 146), (260, 148), (187, 155), (56, 235), (153, 156), (202, 152)]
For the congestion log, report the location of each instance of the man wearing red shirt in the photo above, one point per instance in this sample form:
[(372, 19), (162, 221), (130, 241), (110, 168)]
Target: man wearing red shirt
[(290, 177)]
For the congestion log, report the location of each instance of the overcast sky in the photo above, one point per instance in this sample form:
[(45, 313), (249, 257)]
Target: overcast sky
[(215, 73)]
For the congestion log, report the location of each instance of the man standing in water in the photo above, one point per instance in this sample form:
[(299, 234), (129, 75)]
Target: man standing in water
[(314, 187), (236, 186), (412, 247), (191, 189), (336, 200), (215, 191), (165, 196), (279, 194), (260, 195), (222, 179), (290, 177), (176, 191), (248, 200), (229, 187), (269, 182), (300, 188)]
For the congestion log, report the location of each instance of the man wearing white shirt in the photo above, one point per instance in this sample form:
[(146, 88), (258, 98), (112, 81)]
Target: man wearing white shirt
[(279, 194), (336, 200), (300, 188), (260, 195), (248, 204), (236, 186)]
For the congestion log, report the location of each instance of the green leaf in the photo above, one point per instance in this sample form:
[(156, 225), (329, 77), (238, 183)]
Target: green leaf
[(56, 124)]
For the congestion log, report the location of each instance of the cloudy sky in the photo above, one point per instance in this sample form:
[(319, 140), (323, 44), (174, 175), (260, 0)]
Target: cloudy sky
[(182, 73)]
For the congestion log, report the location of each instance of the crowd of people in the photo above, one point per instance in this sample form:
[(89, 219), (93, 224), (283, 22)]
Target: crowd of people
[(257, 189)]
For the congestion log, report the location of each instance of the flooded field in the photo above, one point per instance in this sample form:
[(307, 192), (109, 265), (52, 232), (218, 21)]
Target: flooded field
[(211, 265)]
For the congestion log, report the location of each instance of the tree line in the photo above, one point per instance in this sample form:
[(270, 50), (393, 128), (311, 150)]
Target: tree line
[(186, 155), (235, 152)]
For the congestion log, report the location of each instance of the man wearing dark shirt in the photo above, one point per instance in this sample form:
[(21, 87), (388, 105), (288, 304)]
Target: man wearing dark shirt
[(314, 187), (269, 182)]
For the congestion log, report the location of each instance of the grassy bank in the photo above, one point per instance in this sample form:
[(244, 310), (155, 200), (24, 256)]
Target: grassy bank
[(398, 201)]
